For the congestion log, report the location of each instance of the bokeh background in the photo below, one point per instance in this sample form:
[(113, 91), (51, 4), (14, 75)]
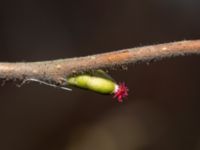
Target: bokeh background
[(162, 110)]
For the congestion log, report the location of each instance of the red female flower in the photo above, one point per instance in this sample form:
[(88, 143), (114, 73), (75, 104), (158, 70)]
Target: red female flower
[(121, 91)]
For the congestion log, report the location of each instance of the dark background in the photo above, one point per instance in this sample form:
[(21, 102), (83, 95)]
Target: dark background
[(162, 110)]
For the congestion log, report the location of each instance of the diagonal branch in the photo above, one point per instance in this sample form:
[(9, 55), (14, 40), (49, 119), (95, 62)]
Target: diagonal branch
[(56, 71)]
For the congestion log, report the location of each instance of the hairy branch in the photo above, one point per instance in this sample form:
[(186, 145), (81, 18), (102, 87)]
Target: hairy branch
[(56, 71)]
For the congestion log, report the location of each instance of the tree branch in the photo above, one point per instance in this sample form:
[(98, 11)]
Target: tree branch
[(56, 71)]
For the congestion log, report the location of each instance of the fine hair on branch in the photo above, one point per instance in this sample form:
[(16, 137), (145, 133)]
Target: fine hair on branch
[(55, 72)]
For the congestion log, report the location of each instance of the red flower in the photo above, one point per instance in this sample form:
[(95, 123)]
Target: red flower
[(121, 92)]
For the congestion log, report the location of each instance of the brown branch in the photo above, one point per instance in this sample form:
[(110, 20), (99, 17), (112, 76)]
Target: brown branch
[(57, 70)]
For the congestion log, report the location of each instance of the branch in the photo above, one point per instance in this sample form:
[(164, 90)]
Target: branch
[(56, 71)]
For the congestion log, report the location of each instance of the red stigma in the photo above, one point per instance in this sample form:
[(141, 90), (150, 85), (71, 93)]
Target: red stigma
[(121, 92)]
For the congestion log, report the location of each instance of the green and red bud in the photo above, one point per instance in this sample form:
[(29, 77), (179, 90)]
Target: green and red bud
[(99, 82)]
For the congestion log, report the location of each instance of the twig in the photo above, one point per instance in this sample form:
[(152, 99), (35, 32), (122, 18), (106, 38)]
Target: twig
[(55, 72)]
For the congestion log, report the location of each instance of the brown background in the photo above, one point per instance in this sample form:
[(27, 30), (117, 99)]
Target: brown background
[(162, 110)]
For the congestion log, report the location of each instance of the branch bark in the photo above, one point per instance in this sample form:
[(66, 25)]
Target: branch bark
[(56, 71)]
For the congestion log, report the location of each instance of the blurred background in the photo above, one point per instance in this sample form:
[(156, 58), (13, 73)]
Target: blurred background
[(162, 110)]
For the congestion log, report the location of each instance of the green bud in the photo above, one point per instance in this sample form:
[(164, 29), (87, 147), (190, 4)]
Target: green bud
[(98, 84)]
